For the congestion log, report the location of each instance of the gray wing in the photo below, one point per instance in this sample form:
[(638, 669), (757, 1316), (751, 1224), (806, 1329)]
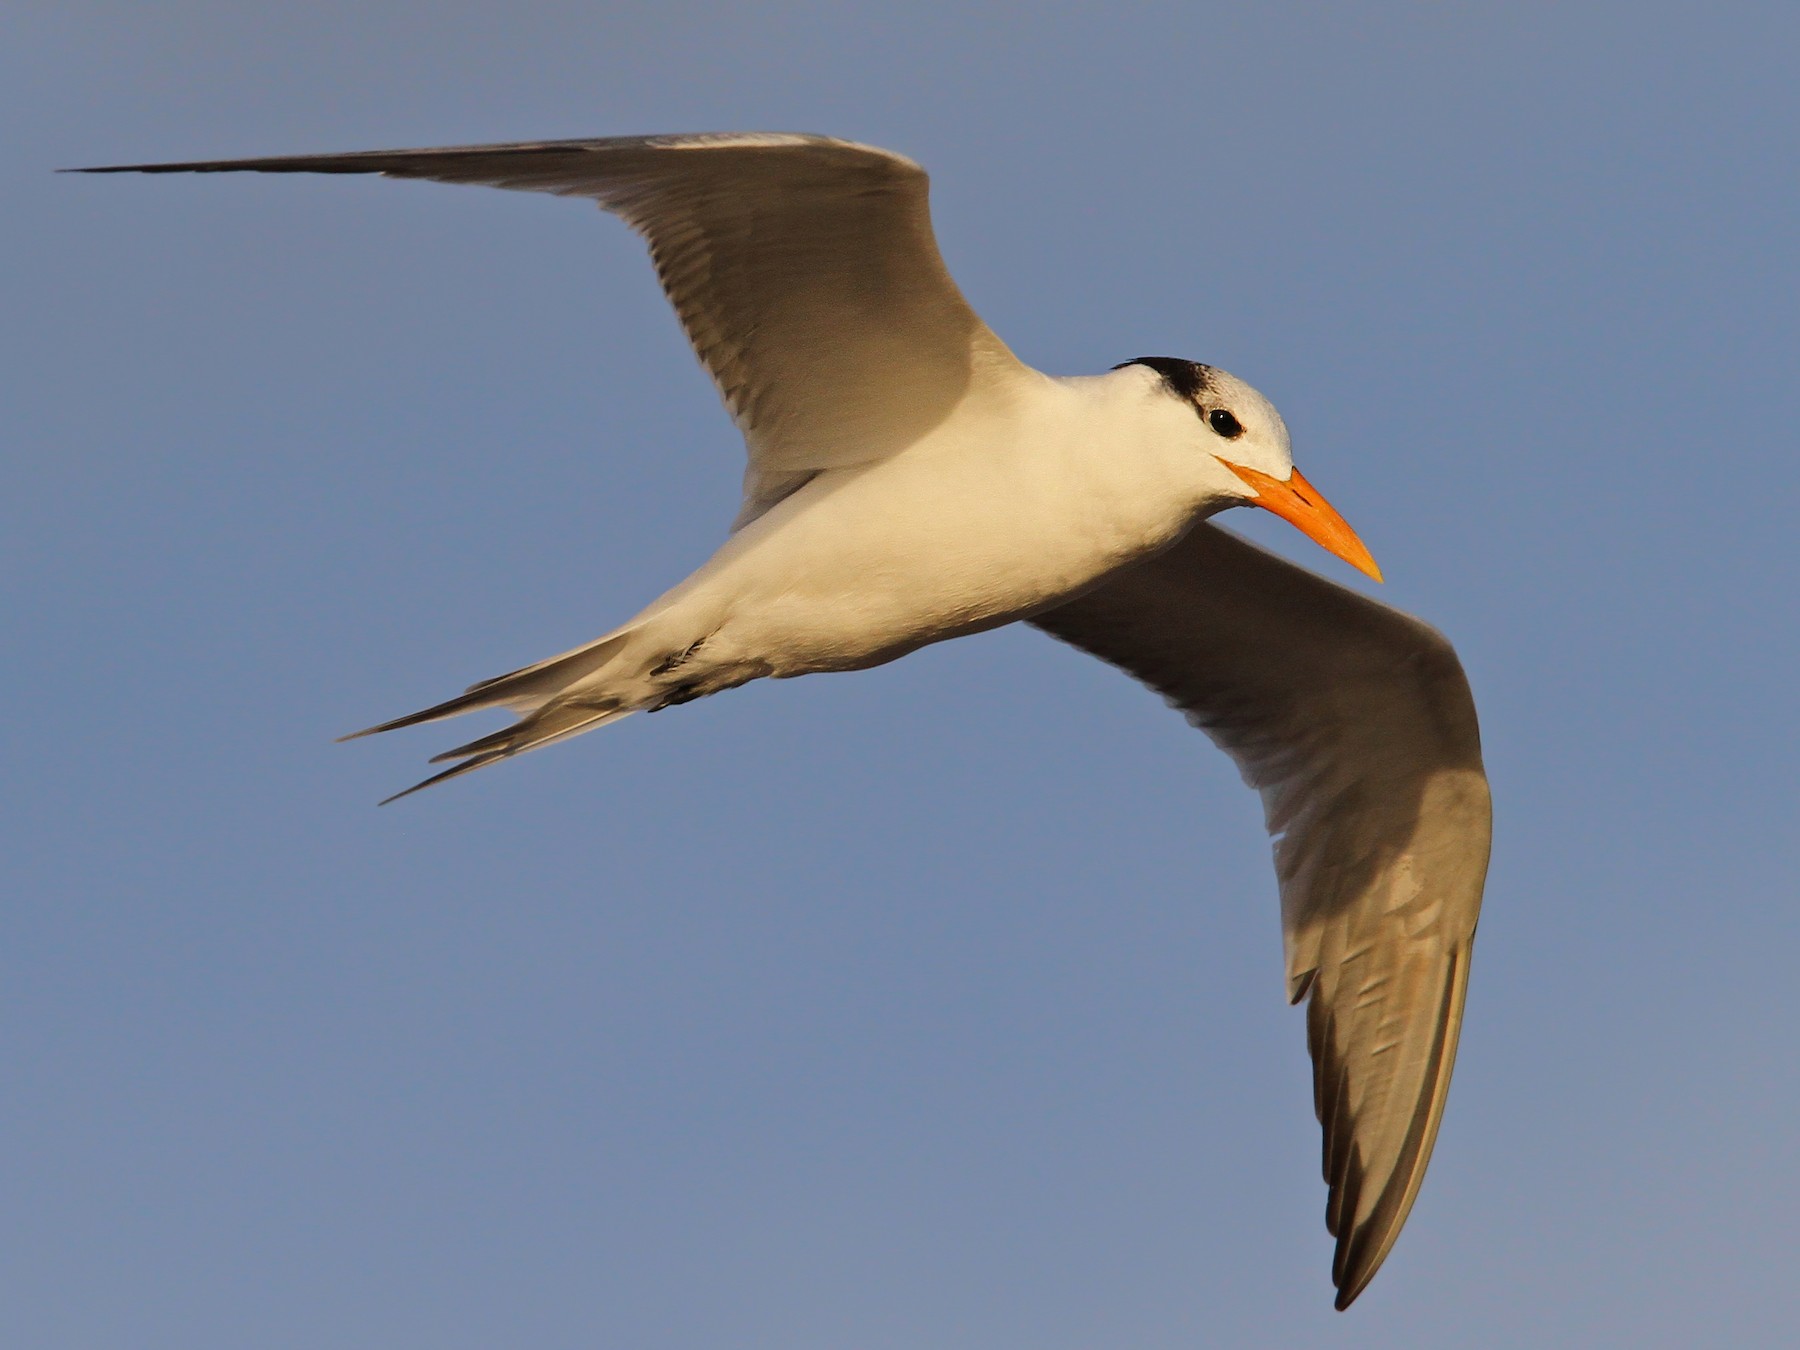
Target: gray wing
[(1355, 723), (804, 270)]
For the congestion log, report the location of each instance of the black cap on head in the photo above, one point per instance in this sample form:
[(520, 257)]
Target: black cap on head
[(1186, 379)]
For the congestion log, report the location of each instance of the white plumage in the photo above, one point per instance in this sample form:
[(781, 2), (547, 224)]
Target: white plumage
[(909, 480)]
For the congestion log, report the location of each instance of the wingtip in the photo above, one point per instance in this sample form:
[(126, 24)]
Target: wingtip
[(1357, 1280), (1358, 1270)]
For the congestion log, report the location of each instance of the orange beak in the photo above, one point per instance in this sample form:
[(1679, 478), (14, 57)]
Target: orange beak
[(1298, 503)]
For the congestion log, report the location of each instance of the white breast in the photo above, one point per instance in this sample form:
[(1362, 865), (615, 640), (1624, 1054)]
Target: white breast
[(995, 512)]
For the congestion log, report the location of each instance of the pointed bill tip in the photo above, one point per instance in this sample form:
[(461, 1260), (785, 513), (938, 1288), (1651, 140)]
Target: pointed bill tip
[(1304, 507), (1365, 564)]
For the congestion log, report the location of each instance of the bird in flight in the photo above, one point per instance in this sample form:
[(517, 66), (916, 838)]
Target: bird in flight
[(910, 480)]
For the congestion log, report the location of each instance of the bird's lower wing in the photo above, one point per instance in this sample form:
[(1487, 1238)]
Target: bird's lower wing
[(1356, 724), (804, 270)]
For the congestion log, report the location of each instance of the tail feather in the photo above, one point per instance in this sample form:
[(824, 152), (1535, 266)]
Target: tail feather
[(466, 767), (545, 695), (462, 703), (556, 722), (518, 689)]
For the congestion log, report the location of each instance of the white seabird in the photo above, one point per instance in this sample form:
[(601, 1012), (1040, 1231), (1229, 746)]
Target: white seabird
[(910, 480)]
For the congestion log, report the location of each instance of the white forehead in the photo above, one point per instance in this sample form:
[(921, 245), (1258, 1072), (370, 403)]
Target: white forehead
[(1222, 389)]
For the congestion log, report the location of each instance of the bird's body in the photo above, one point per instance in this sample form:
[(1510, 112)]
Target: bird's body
[(910, 480), (986, 518)]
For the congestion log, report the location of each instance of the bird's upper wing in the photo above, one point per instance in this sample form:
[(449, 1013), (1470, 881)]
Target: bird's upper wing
[(804, 270), (1355, 723)]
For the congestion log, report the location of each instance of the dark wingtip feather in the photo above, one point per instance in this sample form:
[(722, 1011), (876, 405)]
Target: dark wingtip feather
[(1301, 985), (1358, 1270), (290, 164), (209, 167), (1363, 1247)]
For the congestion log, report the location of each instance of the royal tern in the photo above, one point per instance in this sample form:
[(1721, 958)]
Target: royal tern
[(910, 480)]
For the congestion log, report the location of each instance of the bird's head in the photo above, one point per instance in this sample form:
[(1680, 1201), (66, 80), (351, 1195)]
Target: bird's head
[(1240, 429)]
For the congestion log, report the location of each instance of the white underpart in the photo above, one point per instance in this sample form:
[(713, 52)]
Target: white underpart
[(1012, 503), (909, 480)]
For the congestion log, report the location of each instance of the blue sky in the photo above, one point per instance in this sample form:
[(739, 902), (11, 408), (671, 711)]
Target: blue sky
[(938, 1005)]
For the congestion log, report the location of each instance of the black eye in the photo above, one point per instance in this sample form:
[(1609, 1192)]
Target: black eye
[(1225, 424)]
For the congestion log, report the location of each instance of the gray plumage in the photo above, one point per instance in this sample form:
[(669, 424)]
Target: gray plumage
[(1355, 723)]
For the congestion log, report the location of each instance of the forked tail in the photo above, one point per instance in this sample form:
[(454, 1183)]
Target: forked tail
[(555, 699)]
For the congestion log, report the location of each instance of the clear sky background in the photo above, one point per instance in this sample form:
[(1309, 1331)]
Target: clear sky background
[(936, 1006)]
